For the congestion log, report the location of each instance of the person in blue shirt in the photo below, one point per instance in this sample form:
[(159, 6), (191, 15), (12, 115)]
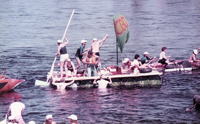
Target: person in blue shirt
[(146, 58)]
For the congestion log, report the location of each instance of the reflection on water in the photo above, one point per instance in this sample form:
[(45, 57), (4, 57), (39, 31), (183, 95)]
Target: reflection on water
[(28, 35)]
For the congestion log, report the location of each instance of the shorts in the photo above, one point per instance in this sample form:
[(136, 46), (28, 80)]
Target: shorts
[(64, 57), (97, 54), (78, 58)]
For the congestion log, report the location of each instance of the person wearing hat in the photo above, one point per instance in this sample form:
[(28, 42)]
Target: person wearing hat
[(126, 64), (62, 51), (71, 68), (31, 122), (102, 83), (95, 49), (146, 58), (73, 119), (193, 56), (80, 52), (49, 120), (16, 109)]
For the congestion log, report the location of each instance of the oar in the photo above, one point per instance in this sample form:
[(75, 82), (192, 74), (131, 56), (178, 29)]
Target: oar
[(38, 82), (189, 109), (3, 73)]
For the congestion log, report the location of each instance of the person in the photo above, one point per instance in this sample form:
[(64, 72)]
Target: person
[(79, 53), (95, 49), (163, 59), (193, 56), (16, 109), (101, 82), (11, 120), (62, 51), (126, 63), (136, 64), (73, 119), (71, 68), (62, 86), (146, 58), (49, 120), (91, 68)]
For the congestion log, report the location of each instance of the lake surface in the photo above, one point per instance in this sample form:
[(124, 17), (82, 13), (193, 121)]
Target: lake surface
[(28, 34)]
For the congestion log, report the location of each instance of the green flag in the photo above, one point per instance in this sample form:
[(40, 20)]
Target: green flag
[(121, 30)]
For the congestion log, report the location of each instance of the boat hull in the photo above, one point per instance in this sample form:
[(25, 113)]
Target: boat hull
[(9, 84)]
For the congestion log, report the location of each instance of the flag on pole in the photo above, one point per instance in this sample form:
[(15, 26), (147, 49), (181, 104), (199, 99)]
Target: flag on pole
[(121, 30)]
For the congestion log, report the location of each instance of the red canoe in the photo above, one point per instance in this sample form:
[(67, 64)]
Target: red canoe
[(9, 84)]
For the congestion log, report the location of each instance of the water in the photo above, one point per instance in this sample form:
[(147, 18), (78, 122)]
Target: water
[(28, 34)]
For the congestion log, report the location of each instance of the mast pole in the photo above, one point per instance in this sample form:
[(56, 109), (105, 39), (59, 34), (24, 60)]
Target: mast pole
[(117, 52)]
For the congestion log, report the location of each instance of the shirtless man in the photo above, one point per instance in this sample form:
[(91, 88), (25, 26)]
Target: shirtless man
[(95, 49), (193, 56)]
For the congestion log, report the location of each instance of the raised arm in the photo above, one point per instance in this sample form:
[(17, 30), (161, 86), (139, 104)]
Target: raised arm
[(64, 44), (110, 81), (103, 40)]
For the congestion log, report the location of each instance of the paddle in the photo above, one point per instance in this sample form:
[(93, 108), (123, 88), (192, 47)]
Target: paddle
[(37, 82), (3, 73), (189, 109)]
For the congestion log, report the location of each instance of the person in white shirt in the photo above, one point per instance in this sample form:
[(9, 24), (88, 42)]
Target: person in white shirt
[(163, 59), (16, 109), (101, 82), (135, 65)]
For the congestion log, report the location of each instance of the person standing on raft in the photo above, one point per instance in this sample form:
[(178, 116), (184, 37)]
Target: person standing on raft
[(95, 49), (62, 51), (79, 53)]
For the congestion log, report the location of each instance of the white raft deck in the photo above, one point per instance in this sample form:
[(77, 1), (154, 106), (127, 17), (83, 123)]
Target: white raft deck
[(116, 76)]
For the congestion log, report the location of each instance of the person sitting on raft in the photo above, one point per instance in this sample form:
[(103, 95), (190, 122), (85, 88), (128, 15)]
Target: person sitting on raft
[(71, 68), (79, 53), (193, 56), (163, 59), (136, 64), (61, 86), (146, 58), (62, 51), (101, 82)]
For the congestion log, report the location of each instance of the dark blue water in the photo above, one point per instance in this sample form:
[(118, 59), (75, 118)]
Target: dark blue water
[(28, 34)]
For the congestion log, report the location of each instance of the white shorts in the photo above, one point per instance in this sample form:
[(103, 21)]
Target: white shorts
[(64, 57)]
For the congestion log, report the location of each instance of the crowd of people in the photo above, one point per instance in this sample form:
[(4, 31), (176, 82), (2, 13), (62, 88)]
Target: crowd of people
[(91, 62), (16, 110)]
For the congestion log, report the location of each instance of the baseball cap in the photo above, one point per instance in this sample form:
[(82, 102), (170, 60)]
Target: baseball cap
[(146, 53), (48, 117), (94, 39), (73, 117), (125, 60), (83, 41), (31, 122), (195, 51), (59, 41)]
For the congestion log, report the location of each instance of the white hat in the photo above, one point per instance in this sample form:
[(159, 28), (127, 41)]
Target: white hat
[(73, 117), (11, 118), (125, 60), (195, 51), (146, 53), (83, 41), (59, 41), (48, 117), (31, 122), (94, 39)]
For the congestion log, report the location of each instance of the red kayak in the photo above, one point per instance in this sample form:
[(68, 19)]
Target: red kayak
[(9, 84)]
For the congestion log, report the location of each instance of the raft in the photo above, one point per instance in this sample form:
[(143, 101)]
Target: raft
[(128, 80)]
